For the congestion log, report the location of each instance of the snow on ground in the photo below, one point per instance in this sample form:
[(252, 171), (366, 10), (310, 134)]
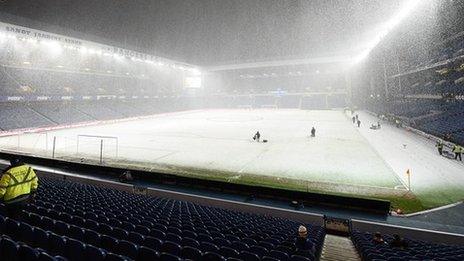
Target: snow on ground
[(434, 179), (221, 140)]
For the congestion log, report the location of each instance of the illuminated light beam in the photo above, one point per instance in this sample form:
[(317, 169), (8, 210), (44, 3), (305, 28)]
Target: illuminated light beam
[(53, 46), (386, 29)]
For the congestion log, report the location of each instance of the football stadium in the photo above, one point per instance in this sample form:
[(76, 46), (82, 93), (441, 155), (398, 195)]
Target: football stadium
[(232, 130)]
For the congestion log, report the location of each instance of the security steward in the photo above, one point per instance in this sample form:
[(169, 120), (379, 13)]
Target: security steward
[(18, 185), (439, 146), (457, 150)]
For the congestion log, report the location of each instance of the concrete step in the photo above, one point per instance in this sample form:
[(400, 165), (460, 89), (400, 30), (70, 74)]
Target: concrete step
[(339, 248)]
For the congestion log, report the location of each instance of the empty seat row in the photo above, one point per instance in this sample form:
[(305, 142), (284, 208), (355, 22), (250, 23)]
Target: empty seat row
[(83, 220)]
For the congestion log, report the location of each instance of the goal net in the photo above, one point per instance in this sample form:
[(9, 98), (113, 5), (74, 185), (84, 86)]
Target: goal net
[(97, 147), (26, 142)]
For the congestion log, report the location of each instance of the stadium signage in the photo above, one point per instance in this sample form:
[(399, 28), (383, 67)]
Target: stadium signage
[(131, 54), (24, 32), (69, 98), (14, 98), (106, 97), (39, 35), (43, 98)]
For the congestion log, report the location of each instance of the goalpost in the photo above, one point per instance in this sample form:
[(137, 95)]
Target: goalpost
[(96, 146), (36, 142)]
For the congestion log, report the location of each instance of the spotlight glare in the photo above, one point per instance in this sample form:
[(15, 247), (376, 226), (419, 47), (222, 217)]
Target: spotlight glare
[(386, 29)]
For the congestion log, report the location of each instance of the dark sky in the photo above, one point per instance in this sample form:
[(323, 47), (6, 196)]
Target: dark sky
[(208, 32)]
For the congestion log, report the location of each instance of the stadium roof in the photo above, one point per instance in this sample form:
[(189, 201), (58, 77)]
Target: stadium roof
[(211, 32)]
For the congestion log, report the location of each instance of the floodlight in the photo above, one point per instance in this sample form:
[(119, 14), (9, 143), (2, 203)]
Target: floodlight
[(31, 40), (195, 71), (386, 28), (53, 46)]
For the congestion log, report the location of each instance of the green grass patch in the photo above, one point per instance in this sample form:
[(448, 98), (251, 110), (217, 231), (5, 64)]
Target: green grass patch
[(403, 200)]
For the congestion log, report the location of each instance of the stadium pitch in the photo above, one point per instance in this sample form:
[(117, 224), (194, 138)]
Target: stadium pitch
[(217, 144)]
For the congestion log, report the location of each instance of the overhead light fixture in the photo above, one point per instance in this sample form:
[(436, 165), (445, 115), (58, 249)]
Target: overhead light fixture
[(386, 28)]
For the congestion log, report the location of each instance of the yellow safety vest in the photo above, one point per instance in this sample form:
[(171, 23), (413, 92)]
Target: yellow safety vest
[(17, 181)]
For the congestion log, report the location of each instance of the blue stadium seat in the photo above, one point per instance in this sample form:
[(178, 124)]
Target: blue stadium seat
[(171, 248), (94, 253), (115, 257), (127, 248), (26, 253), (156, 233), (209, 247), (259, 250), (45, 257), (75, 232), (152, 243), (239, 246), (92, 237), (221, 242), (245, 255), (147, 254), (39, 237), (74, 249), (169, 257), (204, 238), (191, 253), (190, 242), (189, 233), (25, 232), (11, 227), (8, 249), (210, 256), (171, 223), (119, 233), (173, 238), (300, 258), (56, 243), (267, 258), (278, 255), (109, 243), (228, 252), (136, 238)]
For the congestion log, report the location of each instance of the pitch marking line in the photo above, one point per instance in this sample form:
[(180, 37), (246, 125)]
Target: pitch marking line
[(433, 209)]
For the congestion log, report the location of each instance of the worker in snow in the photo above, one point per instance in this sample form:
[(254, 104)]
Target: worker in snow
[(257, 136), (313, 132), (457, 150), (440, 146)]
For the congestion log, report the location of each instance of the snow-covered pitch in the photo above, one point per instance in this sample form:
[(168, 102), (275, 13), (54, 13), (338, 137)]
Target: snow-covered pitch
[(218, 144)]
